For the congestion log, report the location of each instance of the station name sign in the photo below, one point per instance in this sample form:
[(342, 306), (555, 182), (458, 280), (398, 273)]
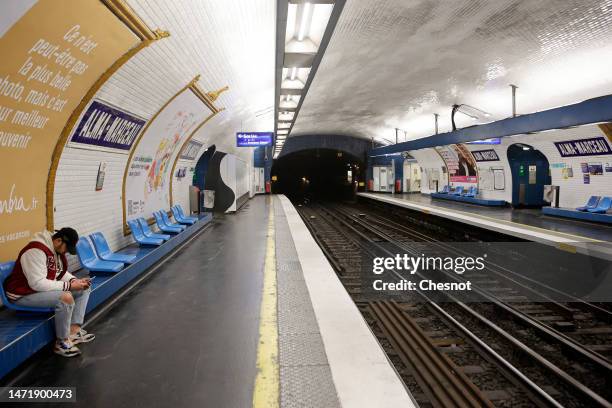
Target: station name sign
[(595, 146), (485, 155), (103, 125), (254, 139)]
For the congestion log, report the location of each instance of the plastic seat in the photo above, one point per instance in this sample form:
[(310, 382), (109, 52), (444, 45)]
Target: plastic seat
[(105, 253), (163, 226), (144, 225), (445, 190), (180, 219), (89, 259), (604, 205), (458, 191), (140, 237), (472, 191), (169, 223), (6, 268), (180, 210), (592, 203)]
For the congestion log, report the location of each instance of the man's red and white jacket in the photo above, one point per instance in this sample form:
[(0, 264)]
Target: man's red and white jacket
[(38, 269)]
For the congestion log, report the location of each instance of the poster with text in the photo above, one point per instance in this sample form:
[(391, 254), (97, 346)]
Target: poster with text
[(147, 185), (52, 53), (460, 163)]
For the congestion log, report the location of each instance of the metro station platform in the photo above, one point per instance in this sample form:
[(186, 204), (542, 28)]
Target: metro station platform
[(249, 313), (528, 224)]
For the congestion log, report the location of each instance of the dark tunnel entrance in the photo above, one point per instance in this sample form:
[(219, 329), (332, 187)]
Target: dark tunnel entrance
[(318, 174)]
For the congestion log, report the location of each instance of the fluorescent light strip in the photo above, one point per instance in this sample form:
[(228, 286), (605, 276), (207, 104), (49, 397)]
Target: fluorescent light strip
[(293, 73), (305, 12)]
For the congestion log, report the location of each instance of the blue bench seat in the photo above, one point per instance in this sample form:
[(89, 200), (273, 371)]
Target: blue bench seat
[(181, 219), (592, 203), (5, 270), (89, 259), (24, 333), (182, 213), (470, 200), (163, 226), (105, 253), (140, 237), (578, 215), (169, 222), (146, 230)]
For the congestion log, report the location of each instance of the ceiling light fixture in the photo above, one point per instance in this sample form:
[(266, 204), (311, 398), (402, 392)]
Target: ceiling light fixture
[(304, 21), (469, 111), (293, 73)]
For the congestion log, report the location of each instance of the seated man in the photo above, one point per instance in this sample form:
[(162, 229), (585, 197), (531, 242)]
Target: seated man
[(40, 279)]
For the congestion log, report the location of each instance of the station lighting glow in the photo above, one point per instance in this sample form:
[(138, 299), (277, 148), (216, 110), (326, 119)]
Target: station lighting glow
[(305, 27), (304, 22)]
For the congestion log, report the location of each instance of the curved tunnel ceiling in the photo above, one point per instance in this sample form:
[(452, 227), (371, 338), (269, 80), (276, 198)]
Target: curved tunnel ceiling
[(229, 43), (393, 63)]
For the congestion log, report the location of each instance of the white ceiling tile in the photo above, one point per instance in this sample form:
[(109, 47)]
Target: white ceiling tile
[(394, 63)]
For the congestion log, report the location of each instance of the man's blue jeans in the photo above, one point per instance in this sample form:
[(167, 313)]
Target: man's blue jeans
[(65, 314)]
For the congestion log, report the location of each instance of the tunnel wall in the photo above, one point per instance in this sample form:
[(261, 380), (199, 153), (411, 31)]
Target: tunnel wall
[(134, 70), (355, 146)]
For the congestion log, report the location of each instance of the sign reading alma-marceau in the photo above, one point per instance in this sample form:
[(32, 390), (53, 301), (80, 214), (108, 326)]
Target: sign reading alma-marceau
[(106, 126), (51, 56)]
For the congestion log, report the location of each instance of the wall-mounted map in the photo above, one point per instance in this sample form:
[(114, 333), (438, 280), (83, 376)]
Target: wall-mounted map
[(147, 185)]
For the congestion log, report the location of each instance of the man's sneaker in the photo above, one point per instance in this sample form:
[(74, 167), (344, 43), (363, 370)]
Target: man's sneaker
[(66, 349), (81, 337)]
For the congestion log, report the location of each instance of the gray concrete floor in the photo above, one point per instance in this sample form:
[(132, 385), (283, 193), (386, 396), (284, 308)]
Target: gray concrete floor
[(185, 337)]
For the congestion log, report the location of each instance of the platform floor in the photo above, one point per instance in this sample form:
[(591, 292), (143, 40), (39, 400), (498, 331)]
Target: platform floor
[(528, 224), (189, 334)]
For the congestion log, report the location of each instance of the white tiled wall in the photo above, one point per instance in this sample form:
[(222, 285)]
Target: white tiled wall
[(486, 190), (180, 186), (573, 191), (78, 205), (199, 44), (430, 161)]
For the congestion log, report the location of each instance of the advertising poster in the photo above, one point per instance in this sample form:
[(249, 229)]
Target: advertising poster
[(595, 169), (105, 126), (460, 163), (147, 185), (584, 167), (44, 75)]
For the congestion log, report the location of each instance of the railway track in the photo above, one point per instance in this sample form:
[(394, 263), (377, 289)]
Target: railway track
[(561, 371)]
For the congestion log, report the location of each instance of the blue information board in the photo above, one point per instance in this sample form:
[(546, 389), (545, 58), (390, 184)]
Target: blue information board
[(492, 141), (254, 139)]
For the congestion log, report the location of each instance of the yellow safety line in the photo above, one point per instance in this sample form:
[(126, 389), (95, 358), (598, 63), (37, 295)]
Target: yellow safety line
[(267, 382)]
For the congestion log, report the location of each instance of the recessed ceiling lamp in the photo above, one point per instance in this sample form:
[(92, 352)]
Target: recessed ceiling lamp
[(306, 29), (304, 22)]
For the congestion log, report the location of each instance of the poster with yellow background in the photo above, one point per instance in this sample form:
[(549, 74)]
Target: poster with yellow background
[(51, 56)]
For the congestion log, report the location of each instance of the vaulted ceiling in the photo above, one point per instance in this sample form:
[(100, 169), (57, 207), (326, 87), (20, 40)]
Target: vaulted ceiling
[(395, 63)]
